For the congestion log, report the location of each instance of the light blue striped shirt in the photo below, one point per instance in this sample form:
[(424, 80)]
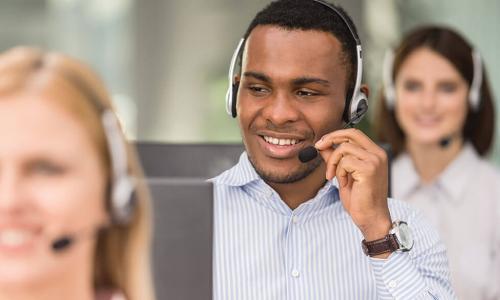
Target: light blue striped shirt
[(265, 250)]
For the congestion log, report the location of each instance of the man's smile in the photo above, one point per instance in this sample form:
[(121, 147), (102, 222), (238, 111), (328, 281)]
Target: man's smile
[(281, 145)]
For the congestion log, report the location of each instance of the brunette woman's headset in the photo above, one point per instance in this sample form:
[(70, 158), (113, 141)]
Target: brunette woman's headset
[(474, 91)]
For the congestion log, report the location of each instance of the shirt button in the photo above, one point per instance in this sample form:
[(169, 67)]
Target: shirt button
[(295, 219), (295, 273), (393, 283)]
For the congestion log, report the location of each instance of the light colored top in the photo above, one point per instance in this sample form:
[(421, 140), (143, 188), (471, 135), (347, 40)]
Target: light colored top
[(264, 250), (109, 294), (462, 204)]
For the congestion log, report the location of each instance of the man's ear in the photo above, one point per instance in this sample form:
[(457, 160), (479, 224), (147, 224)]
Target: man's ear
[(365, 89), (237, 79)]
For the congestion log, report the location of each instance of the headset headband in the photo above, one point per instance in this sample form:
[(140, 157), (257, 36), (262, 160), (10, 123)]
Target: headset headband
[(122, 183), (477, 81), (229, 94), (344, 20)]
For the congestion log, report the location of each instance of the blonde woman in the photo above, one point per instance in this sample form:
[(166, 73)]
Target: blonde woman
[(74, 219)]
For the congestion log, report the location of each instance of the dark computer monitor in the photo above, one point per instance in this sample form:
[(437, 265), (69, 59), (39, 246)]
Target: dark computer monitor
[(182, 243), (187, 160)]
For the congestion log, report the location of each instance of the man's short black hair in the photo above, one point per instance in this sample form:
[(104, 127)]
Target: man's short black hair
[(310, 15)]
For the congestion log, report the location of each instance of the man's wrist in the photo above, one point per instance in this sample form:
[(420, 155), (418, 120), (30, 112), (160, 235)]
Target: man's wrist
[(378, 230), (399, 238)]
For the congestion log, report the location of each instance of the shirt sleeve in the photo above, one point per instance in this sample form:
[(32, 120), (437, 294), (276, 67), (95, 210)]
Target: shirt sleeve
[(421, 273)]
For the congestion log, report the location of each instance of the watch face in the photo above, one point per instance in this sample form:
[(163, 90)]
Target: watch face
[(404, 236)]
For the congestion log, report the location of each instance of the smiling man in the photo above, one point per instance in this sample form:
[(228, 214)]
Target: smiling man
[(322, 229)]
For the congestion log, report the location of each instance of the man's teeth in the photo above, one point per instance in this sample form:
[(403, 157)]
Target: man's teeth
[(14, 237), (281, 142)]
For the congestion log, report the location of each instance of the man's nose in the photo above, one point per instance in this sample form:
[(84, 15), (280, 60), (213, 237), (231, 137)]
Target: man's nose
[(281, 109)]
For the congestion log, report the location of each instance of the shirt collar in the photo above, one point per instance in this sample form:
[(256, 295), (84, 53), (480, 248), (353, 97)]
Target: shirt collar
[(456, 176), (408, 179), (240, 174), (453, 179), (244, 174)]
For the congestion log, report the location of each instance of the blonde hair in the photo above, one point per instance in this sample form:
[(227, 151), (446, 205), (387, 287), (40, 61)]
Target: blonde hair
[(122, 256)]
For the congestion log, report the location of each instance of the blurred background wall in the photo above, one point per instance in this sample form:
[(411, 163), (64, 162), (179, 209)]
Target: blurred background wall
[(166, 62)]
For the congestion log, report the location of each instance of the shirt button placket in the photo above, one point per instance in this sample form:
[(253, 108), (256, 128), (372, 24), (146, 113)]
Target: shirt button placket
[(294, 272), (393, 284)]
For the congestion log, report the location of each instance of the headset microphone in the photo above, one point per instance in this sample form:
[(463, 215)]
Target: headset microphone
[(64, 242), (309, 153), (445, 142)]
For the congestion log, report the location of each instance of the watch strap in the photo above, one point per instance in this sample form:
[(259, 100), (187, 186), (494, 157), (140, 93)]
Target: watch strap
[(386, 244)]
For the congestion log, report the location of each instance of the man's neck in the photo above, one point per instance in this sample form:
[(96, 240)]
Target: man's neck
[(294, 194)]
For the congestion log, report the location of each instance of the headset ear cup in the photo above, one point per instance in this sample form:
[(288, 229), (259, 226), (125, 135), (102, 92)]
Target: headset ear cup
[(234, 97), (389, 91), (122, 183), (359, 108), (232, 89), (123, 200), (477, 81)]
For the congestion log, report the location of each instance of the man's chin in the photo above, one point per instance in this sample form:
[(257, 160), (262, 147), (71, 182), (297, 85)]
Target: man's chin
[(272, 175)]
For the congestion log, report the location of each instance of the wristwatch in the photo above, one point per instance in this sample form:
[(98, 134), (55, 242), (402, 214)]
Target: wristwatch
[(400, 238)]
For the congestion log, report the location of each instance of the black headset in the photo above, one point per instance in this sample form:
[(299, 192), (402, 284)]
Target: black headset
[(356, 107)]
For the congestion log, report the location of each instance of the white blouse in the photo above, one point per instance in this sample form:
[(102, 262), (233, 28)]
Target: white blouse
[(464, 205)]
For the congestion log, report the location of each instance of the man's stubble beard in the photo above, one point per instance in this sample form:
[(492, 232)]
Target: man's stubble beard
[(270, 177)]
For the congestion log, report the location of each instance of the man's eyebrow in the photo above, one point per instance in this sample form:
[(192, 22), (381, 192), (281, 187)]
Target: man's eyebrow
[(306, 80), (258, 76), (296, 81)]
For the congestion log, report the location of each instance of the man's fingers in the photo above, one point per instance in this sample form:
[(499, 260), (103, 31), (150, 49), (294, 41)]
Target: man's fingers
[(333, 157), (351, 135), (346, 169)]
